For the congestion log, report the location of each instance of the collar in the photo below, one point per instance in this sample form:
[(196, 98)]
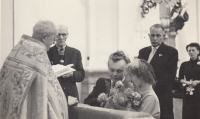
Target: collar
[(196, 60), (34, 40), (145, 89), (59, 47), (155, 47)]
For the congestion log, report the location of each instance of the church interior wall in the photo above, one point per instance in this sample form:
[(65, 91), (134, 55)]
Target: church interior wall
[(97, 28)]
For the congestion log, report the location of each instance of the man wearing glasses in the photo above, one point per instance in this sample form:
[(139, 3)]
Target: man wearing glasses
[(63, 54), (164, 60)]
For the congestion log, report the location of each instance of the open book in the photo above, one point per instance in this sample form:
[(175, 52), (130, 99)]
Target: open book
[(60, 70)]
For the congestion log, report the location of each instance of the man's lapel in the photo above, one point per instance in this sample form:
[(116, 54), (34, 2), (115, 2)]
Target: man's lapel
[(146, 53), (67, 55), (158, 54), (108, 85)]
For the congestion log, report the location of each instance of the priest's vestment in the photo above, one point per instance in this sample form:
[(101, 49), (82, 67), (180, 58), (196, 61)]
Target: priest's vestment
[(28, 86)]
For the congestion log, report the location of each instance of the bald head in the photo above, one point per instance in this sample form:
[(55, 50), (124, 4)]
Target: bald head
[(45, 27), (45, 32), (62, 28)]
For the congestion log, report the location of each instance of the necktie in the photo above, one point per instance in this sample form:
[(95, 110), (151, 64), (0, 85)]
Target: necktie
[(61, 51), (152, 54), (61, 55)]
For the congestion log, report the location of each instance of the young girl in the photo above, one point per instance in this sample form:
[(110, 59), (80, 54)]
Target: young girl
[(141, 74)]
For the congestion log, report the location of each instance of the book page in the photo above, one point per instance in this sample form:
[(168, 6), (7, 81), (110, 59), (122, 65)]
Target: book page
[(60, 70)]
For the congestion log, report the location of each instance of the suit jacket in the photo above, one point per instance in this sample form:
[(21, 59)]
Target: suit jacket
[(164, 63), (71, 56), (103, 85)]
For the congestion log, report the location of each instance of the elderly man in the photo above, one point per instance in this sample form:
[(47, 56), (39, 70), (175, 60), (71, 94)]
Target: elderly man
[(28, 87), (164, 60), (116, 64), (63, 54)]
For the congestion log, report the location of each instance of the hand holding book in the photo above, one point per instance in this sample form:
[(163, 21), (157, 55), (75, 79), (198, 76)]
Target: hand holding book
[(60, 70)]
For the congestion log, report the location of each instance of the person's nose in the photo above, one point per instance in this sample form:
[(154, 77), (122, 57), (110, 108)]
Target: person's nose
[(115, 73), (155, 38), (60, 37)]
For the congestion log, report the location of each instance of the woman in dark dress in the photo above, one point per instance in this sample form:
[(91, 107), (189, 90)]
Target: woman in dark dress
[(189, 76)]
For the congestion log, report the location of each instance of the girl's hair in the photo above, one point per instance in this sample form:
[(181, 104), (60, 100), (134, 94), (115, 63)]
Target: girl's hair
[(141, 69)]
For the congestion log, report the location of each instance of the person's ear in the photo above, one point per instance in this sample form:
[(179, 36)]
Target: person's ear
[(44, 36), (149, 35), (198, 51), (164, 35)]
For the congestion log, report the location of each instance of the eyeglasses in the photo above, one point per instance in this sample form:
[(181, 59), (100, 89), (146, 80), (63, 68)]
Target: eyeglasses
[(63, 34), (118, 71), (157, 35)]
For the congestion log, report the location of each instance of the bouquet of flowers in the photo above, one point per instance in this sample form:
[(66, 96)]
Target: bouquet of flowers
[(189, 89), (122, 98)]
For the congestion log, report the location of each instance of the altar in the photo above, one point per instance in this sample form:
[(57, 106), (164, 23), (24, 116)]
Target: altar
[(82, 111)]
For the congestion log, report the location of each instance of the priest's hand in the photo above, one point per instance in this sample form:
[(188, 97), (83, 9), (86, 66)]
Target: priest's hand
[(72, 101), (68, 75)]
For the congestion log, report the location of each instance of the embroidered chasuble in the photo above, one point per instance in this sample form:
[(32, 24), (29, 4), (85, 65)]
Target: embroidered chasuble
[(28, 87)]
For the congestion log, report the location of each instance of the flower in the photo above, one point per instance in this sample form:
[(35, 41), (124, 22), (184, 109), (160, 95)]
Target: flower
[(121, 98), (198, 63), (146, 5), (160, 55), (189, 90), (119, 84)]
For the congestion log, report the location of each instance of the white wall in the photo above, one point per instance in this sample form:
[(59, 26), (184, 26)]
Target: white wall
[(117, 25), (96, 27), (6, 29), (190, 32), (27, 12), (133, 29), (103, 32), (0, 36), (68, 12), (92, 23), (198, 18)]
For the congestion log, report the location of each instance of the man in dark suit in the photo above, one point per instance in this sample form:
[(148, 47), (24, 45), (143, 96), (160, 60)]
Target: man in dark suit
[(63, 54), (164, 60), (116, 64)]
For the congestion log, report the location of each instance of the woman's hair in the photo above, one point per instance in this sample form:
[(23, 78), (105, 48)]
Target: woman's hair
[(141, 69), (193, 45), (45, 27), (119, 55)]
